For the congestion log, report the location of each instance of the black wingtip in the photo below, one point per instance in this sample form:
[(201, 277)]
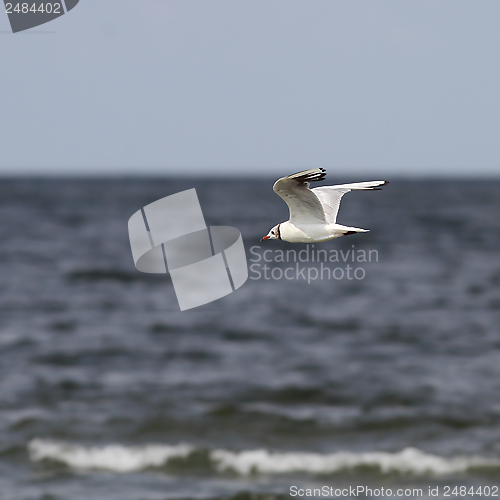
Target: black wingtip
[(317, 176), (311, 175), (379, 187)]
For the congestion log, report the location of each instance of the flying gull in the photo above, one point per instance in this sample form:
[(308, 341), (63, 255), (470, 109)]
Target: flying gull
[(313, 212)]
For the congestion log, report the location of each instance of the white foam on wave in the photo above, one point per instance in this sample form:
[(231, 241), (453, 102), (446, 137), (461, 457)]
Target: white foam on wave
[(122, 459), (115, 457), (408, 461)]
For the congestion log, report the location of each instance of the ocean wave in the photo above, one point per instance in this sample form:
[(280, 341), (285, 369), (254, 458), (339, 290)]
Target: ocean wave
[(408, 461), (114, 457), (123, 459)]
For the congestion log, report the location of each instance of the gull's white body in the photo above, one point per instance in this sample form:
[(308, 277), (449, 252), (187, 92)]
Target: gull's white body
[(314, 233), (313, 212)]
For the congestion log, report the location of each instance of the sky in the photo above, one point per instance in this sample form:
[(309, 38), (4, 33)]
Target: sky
[(253, 87)]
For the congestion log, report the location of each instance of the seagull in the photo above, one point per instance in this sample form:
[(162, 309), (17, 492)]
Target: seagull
[(313, 212)]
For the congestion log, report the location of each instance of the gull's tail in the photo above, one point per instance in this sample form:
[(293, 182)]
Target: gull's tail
[(351, 230)]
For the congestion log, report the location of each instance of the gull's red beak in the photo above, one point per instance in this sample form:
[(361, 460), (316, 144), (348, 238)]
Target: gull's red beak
[(265, 238)]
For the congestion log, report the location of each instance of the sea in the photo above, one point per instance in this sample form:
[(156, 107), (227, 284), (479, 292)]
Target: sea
[(364, 367)]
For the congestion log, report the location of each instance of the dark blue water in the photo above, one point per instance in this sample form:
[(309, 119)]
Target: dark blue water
[(108, 391)]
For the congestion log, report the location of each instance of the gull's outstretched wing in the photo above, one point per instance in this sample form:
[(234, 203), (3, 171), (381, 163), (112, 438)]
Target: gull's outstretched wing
[(330, 196), (305, 207)]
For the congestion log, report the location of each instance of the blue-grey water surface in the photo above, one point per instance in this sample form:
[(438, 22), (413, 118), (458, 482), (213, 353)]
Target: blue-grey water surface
[(109, 392)]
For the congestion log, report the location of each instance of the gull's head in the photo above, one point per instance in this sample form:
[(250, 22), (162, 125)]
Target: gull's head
[(274, 234)]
